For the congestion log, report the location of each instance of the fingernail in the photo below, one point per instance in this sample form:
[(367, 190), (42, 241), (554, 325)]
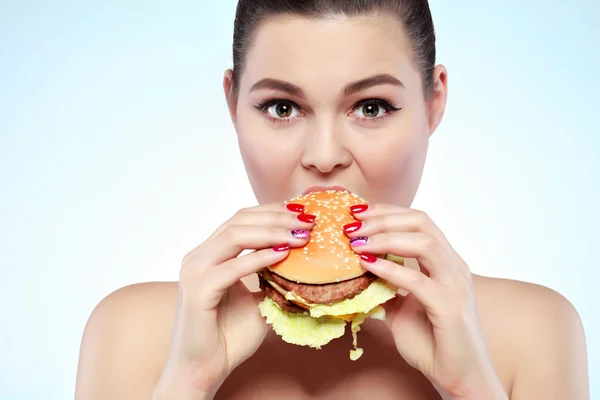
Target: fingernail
[(293, 207), (301, 233), (307, 218), (359, 208), (281, 247), (358, 241), (370, 258), (353, 227)]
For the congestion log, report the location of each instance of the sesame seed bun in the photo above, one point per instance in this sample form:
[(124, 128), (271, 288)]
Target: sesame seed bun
[(327, 257)]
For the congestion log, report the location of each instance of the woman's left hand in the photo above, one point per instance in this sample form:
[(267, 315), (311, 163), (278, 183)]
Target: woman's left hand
[(436, 326)]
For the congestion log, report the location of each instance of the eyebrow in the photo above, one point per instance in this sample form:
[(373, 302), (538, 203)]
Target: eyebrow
[(354, 87)]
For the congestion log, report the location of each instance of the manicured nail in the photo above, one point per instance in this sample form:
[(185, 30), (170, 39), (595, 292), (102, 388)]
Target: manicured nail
[(358, 241), (301, 233), (353, 227), (281, 247), (293, 207), (359, 208), (307, 218), (370, 258)]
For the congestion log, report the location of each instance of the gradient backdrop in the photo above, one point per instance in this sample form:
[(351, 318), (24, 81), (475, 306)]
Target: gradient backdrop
[(117, 157)]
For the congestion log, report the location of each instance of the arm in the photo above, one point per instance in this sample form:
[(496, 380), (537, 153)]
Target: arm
[(125, 344), (552, 362)]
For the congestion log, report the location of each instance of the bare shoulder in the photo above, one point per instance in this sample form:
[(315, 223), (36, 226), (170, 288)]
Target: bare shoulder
[(522, 299), (535, 333), (126, 341)]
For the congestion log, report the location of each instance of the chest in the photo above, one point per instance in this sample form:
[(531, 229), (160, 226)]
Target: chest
[(282, 371)]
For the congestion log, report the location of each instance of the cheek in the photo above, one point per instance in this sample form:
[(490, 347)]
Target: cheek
[(269, 157), (392, 163)]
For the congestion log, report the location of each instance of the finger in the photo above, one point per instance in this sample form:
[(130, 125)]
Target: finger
[(411, 221), (362, 211), (428, 252), (236, 238), (284, 219), (421, 286), (243, 213), (223, 276)]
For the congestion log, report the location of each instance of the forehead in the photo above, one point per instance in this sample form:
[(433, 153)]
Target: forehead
[(334, 50)]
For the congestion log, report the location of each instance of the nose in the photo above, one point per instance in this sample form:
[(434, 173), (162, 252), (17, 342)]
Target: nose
[(325, 149)]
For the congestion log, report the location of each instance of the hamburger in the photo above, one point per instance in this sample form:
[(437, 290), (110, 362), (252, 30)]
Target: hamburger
[(317, 290)]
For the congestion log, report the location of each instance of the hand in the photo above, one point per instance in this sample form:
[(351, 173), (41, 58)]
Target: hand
[(436, 327), (218, 324)]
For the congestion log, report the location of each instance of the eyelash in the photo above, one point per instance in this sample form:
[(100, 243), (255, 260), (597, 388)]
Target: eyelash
[(385, 104)]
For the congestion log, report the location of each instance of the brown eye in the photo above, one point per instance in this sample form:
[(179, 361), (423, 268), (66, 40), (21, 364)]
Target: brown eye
[(370, 110), (373, 109), (282, 110)]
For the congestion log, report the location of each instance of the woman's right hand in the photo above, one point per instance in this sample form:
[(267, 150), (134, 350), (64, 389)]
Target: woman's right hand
[(218, 324)]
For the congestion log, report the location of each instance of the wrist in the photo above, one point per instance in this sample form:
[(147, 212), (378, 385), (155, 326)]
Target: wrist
[(483, 384), (191, 382)]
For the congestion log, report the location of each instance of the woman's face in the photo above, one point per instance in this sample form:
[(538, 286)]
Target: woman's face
[(334, 103)]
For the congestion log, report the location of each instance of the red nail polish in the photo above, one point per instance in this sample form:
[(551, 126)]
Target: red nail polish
[(307, 218), (293, 207), (353, 227), (370, 258), (281, 247), (359, 208)]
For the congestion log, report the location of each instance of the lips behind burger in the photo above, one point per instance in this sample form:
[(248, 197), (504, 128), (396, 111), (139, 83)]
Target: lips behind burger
[(317, 289)]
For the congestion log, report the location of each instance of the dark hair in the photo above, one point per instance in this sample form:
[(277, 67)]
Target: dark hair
[(415, 15)]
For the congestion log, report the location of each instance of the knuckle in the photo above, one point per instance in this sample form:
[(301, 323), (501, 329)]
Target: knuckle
[(383, 223), (419, 279), (232, 233), (241, 213), (192, 257), (277, 232), (286, 219), (422, 219), (427, 243), (189, 274)]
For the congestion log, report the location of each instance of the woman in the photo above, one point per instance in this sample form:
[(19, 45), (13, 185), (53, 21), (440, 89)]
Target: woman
[(322, 94)]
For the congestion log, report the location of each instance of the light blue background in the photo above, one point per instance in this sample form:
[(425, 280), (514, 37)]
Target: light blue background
[(117, 157)]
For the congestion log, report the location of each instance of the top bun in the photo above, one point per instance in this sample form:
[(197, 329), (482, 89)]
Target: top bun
[(328, 256)]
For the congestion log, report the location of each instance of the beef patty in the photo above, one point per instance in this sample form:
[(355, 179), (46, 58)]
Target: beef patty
[(328, 293), (283, 303)]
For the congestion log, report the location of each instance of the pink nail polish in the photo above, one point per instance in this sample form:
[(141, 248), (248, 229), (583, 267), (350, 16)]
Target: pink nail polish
[(358, 241), (301, 233)]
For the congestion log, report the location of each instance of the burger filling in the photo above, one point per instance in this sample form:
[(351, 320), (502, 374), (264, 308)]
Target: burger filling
[(278, 298), (329, 293)]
